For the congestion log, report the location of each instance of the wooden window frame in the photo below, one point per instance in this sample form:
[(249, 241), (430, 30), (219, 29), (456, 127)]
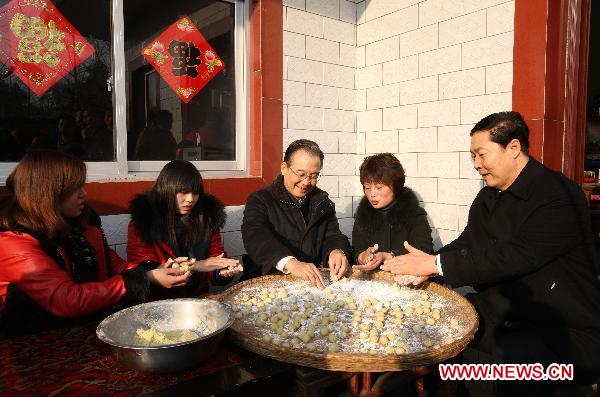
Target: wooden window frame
[(265, 118)]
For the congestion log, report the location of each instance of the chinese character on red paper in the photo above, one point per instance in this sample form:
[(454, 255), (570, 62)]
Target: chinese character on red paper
[(183, 58), (39, 44)]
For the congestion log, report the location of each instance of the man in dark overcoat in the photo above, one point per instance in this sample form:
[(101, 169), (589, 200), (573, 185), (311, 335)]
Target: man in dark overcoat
[(291, 225), (529, 253)]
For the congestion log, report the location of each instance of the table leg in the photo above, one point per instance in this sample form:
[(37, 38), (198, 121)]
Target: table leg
[(365, 389), (353, 385), (419, 386)]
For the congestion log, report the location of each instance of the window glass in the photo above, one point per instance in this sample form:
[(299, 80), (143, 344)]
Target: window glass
[(55, 69), (162, 123)]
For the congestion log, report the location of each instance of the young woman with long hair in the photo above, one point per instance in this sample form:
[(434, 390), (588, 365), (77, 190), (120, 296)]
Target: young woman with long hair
[(176, 219), (54, 260)]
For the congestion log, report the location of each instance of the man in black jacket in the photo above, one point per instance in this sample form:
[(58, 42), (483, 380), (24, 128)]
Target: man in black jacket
[(291, 225), (529, 252)]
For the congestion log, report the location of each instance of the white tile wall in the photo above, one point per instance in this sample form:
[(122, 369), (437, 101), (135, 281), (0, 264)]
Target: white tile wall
[(321, 96), (439, 113), (419, 40), (462, 29), (382, 51), (401, 70), (444, 60), (418, 140), (488, 51), (369, 77), (383, 96), (304, 23), (382, 141), (400, 21), (322, 50), (419, 90), (499, 78), (338, 76), (463, 83), (406, 76), (440, 165), (348, 12), (326, 8)]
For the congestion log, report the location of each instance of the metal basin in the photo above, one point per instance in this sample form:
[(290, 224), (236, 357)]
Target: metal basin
[(204, 316)]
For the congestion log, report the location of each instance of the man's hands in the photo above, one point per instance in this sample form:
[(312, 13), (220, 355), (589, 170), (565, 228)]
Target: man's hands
[(338, 263), (305, 271), (415, 263)]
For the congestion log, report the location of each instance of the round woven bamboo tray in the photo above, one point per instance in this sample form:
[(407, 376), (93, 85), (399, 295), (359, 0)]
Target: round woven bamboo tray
[(250, 337)]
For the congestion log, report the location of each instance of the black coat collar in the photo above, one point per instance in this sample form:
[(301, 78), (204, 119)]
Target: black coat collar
[(403, 212), (523, 187)]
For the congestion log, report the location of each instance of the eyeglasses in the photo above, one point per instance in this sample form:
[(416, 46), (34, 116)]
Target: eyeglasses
[(303, 176)]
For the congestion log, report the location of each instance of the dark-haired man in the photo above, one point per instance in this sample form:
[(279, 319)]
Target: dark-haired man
[(291, 225), (528, 250)]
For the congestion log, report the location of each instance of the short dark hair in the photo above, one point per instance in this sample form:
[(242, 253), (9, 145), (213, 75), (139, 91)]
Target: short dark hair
[(504, 127), (384, 168), (303, 144)]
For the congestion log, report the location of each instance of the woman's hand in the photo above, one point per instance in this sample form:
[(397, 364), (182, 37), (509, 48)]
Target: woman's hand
[(215, 263), (178, 261), (305, 271), (231, 271), (371, 258), (168, 277)]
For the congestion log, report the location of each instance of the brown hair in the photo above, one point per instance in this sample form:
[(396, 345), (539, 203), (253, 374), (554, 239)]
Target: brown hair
[(384, 168), (37, 186)]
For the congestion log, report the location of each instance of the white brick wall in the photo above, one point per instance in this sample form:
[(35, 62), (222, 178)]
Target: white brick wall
[(406, 76), (450, 63)]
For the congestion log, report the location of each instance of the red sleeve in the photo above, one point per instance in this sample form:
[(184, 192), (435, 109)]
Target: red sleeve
[(118, 263), (27, 266), (137, 249), (216, 245)]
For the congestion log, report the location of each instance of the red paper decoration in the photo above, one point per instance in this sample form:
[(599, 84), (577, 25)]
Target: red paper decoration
[(39, 44), (183, 58)]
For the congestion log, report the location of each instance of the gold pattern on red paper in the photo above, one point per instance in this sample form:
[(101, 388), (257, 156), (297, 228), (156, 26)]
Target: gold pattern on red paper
[(39, 44)]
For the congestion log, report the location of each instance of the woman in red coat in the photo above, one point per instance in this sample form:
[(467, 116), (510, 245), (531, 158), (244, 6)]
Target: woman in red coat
[(54, 261), (176, 219)]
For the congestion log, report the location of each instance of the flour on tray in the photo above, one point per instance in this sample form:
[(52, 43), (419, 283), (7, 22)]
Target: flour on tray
[(353, 316)]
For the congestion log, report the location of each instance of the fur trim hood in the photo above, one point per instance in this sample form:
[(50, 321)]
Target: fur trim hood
[(148, 219), (404, 212)]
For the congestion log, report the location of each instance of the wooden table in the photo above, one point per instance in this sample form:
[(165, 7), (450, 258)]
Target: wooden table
[(73, 361)]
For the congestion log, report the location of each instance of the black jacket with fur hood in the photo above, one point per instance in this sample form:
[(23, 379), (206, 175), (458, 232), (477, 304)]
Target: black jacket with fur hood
[(404, 221), (148, 220)]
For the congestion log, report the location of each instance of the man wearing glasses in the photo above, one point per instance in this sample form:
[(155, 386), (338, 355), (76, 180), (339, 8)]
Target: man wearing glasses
[(291, 225)]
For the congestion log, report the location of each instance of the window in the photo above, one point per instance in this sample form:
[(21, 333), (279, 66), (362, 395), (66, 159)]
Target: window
[(103, 104)]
